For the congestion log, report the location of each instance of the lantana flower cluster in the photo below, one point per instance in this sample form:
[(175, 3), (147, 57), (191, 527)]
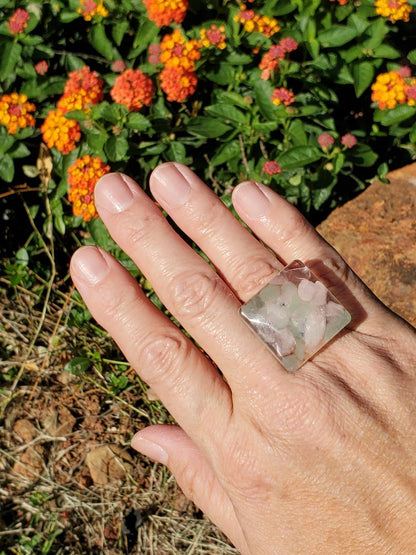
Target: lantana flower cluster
[(15, 112), (326, 140), (90, 9), (254, 22), (393, 88), (83, 90), (395, 10), (276, 53), (134, 89), (165, 12), (18, 22), (83, 176)]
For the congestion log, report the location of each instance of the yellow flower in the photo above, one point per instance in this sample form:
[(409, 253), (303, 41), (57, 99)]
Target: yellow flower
[(83, 176), (90, 9), (395, 10), (214, 36), (14, 112), (253, 21), (389, 90), (60, 132)]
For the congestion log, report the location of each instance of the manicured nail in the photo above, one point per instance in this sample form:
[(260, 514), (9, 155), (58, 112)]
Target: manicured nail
[(89, 265), (149, 449), (250, 197), (114, 192), (170, 185)]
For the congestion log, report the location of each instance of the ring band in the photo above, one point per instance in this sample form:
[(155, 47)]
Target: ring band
[(295, 315)]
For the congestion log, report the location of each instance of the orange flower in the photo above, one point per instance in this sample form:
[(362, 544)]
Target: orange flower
[(389, 90), (270, 60), (176, 51), (83, 89), (90, 9), (165, 12), (253, 21), (283, 96), (60, 132), (214, 36), (271, 167), (133, 89), (18, 22), (83, 176), (14, 112), (178, 83), (395, 10)]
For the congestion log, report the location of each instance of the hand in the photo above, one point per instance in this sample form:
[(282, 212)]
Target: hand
[(319, 461)]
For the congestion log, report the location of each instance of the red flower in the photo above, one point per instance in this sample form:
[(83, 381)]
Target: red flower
[(283, 96), (133, 89), (18, 22), (349, 140), (41, 67), (326, 140), (178, 83), (154, 54), (271, 167), (118, 66)]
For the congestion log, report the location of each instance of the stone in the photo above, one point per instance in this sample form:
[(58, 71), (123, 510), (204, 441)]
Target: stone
[(295, 315), (376, 235)]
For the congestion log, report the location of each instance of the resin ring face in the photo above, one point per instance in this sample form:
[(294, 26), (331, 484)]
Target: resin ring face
[(295, 315)]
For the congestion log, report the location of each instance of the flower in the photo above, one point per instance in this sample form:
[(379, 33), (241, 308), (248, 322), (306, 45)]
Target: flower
[(404, 71), (214, 36), (133, 89), (411, 92), (282, 96), (118, 66), (349, 140), (395, 10), (90, 9), (389, 90), (15, 112), (178, 83), (325, 140), (41, 67), (83, 89), (288, 44), (176, 51), (83, 176), (340, 2), (165, 12), (154, 54), (252, 21), (18, 21), (60, 132), (271, 167), (270, 61)]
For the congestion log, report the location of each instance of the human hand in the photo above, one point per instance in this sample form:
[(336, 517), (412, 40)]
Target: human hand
[(318, 461)]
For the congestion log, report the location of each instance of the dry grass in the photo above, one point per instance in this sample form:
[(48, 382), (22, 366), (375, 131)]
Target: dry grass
[(52, 420)]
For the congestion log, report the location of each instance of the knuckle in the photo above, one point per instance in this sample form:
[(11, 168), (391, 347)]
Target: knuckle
[(336, 265), (207, 222), (164, 355), (295, 231), (139, 230), (195, 293), (252, 274), (117, 304)]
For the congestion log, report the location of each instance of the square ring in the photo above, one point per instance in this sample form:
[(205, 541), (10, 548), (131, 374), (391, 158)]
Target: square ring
[(295, 315)]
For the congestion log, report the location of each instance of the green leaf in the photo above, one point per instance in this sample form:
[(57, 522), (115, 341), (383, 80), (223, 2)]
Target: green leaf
[(144, 36), (299, 156), (77, 115), (263, 91), (9, 58), (363, 74), (66, 16), (119, 30), (6, 142), (99, 233), (337, 35), (19, 150), (358, 23), (177, 152), (210, 128), (226, 152), (22, 257), (363, 155), (297, 133), (223, 74), (412, 57), (137, 121), (396, 115), (226, 112), (100, 42), (77, 365), (386, 51), (116, 148), (232, 97), (6, 168)]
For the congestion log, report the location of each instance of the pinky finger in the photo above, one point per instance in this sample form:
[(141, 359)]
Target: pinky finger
[(171, 446)]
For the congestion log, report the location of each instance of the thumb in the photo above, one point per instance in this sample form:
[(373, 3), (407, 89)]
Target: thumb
[(170, 445)]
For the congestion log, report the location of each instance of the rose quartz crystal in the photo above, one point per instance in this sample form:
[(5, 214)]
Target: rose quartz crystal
[(295, 315)]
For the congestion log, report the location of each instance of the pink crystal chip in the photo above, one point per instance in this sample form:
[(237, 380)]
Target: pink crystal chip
[(295, 315)]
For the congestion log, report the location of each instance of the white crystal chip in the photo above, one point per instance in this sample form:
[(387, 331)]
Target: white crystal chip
[(295, 315)]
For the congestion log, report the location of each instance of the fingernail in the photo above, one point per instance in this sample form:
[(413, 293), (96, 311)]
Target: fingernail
[(114, 192), (149, 449), (89, 265), (170, 185), (252, 199)]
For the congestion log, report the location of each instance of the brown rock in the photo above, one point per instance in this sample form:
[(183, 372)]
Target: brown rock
[(58, 421), (376, 234), (108, 463), (24, 429), (30, 463)]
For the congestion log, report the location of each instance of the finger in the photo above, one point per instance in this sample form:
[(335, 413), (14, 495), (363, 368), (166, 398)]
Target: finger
[(184, 379), (170, 445), (281, 226), (244, 263), (186, 284)]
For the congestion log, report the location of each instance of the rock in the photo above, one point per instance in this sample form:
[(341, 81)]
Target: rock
[(58, 421), (24, 429), (30, 463), (108, 463), (376, 234)]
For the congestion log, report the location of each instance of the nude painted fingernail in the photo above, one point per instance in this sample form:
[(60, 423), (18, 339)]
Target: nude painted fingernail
[(89, 265), (170, 185), (114, 192), (149, 449), (252, 199)]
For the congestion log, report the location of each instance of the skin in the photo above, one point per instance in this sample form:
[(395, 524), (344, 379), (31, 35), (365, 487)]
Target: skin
[(322, 460)]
